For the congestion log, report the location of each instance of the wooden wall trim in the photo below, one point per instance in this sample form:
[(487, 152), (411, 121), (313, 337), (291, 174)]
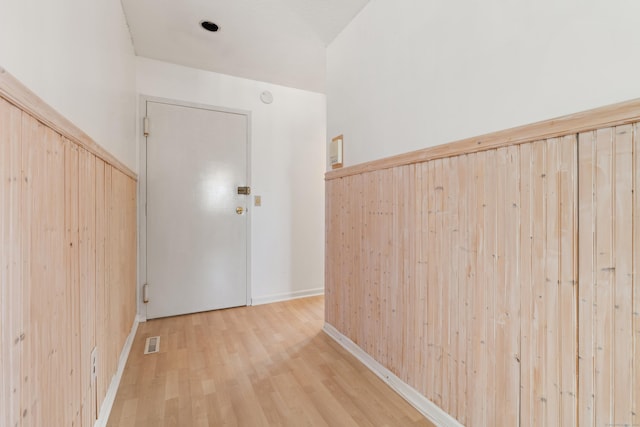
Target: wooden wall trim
[(19, 95), (602, 117)]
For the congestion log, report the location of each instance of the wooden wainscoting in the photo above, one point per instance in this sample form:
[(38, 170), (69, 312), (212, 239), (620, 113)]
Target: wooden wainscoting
[(68, 265), (500, 284)]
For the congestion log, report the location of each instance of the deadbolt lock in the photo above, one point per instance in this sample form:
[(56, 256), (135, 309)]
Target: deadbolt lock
[(244, 190)]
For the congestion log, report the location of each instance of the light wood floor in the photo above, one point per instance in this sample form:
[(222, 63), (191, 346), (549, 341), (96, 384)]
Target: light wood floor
[(268, 365)]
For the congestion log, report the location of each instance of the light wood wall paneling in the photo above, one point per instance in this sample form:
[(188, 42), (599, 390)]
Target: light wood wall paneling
[(568, 278), (431, 285), (500, 282), (443, 331), (472, 260), (507, 321), (102, 295), (110, 349), (489, 285), (471, 277), (587, 274), (416, 317), (87, 253), (130, 252), (528, 297), (332, 215), (608, 236), (550, 356), (385, 228), (68, 265), (622, 389), (11, 217), (422, 236), (45, 377), (72, 263), (454, 225), (478, 330), (369, 253), (605, 267), (635, 310), (122, 259), (463, 278)]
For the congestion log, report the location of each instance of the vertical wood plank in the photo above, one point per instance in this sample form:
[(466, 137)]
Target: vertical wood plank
[(425, 282), (623, 285), (394, 285), (471, 289), (551, 338), (605, 189), (410, 308), (503, 233), (87, 250), (490, 279), (538, 271), (444, 283), (11, 306), (419, 281), (464, 278), (635, 375), (567, 280), (374, 257), (73, 363), (508, 293), (587, 279), (432, 279), (478, 321), (102, 293), (452, 284), (527, 300)]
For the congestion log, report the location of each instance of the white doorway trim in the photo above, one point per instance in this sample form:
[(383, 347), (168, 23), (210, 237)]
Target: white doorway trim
[(142, 189)]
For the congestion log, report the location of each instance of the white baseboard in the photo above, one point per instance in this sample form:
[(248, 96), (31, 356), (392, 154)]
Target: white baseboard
[(107, 403), (426, 407), (286, 296)]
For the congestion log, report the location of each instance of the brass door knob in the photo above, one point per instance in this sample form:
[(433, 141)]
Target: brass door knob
[(239, 210)]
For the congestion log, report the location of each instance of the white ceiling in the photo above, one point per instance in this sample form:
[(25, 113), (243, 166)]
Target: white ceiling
[(276, 41)]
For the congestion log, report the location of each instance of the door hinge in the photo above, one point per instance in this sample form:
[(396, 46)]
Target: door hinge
[(145, 296), (145, 126)]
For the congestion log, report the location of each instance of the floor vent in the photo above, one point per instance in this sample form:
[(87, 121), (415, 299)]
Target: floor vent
[(152, 345)]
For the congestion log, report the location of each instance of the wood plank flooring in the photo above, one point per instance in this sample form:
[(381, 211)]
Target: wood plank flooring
[(268, 365)]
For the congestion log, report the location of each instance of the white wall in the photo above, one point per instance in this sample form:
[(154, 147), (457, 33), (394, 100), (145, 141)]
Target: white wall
[(287, 168), (78, 57), (409, 74)]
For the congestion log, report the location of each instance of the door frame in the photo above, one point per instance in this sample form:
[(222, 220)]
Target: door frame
[(142, 188)]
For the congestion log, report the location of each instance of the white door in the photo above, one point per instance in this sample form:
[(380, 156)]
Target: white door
[(196, 221)]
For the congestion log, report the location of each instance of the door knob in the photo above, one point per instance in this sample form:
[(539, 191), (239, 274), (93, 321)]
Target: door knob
[(239, 210)]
